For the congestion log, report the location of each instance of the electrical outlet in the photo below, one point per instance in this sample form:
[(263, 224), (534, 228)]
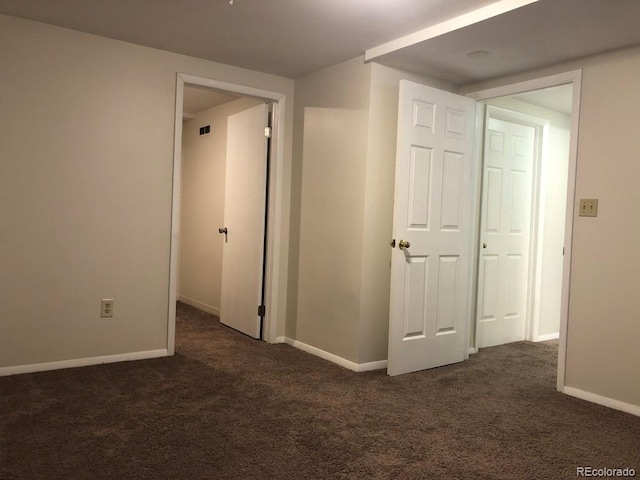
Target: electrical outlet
[(106, 310), (588, 207)]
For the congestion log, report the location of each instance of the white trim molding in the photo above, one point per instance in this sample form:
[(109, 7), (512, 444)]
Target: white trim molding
[(82, 362), (370, 366), (343, 362), (200, 305), (604, 401), (548, 336)]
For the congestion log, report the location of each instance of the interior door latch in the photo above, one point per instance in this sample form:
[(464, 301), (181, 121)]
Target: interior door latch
[(393, 243)]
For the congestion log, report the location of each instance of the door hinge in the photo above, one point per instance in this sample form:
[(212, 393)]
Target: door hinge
[(261, 311), (267, 132)]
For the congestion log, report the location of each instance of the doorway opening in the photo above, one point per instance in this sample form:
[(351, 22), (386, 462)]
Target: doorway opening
[(432, 308), (226, 229), (224, 204), (525, 205)]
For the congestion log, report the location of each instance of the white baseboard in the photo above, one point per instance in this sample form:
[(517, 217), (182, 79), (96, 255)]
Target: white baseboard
[(281, 340), (472, 350), (82, 362), (605, 401), (199, 305), (368, 367), (548, 336), (343, 362)]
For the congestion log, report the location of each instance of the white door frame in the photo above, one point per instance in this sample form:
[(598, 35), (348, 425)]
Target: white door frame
[(276, 204), (574, 77), (541, 127)]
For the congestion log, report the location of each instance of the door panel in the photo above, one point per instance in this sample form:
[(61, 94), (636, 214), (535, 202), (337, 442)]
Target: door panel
[(429, 279), (416, 286), (505, 230), (447, 294), (489, 294), (451, 191), (493, 199), (244, 217), (515, 274), (419, 189)]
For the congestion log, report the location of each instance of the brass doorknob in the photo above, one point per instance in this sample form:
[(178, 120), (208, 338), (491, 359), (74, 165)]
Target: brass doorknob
[(403, 244)]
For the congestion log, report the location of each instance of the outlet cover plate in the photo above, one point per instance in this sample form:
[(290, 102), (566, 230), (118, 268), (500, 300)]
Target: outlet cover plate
[(106, 308)]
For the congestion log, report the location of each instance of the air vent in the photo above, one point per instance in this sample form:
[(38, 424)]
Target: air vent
[(206, 130)]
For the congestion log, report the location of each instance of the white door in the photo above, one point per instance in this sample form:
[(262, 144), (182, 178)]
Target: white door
[(505, 225), (244, 219), (428, 319)]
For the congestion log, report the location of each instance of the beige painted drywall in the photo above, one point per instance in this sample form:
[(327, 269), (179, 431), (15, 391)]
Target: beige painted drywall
[(202, 205), (346, 118), (604, 320), (553, 191), (86, 165), (331, 115), (85, 202)]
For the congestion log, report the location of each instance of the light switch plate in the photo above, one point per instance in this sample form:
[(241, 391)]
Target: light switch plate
[(588, 207)]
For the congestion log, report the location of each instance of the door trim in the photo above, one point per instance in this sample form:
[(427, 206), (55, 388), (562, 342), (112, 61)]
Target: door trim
[(275, 300), (574, 77)]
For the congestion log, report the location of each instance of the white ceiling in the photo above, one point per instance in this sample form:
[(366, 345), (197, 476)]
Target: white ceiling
[(559, 98), (198, 99), (540, 34), (284, 37), (296, 37)]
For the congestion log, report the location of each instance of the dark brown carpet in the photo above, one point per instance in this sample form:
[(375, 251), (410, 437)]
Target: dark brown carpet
[(228, 407)]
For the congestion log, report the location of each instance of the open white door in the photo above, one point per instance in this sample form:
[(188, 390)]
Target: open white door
[(505, 225), (244, 217), (432, 224)]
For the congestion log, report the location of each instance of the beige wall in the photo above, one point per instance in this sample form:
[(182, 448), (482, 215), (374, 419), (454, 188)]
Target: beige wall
[(604, 320), (601, 357), (604, 324), (202, 205), (331, 115), (86, 139), (347, 121)]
